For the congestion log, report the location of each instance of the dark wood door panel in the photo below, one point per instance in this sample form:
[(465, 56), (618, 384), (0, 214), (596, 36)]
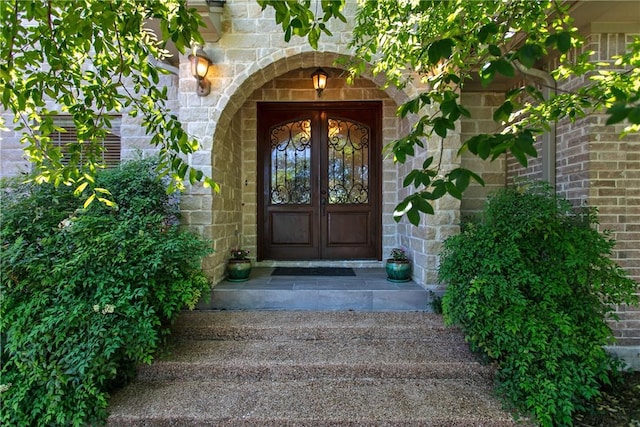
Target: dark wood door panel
[(350, 235), (319, 169), (348, 228), (292, 228), (293, 235)]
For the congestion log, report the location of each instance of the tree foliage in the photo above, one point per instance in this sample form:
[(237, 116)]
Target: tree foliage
[(91, 60), (448, 44)]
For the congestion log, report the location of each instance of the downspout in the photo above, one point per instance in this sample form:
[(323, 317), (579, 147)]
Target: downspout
[(549, 139)]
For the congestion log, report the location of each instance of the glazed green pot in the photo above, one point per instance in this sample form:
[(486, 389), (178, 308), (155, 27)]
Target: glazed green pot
[(398, 271), (238, 270)]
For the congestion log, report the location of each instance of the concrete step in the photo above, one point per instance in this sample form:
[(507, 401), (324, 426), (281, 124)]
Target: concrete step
[(301, 368), (333, 402), (309, 325), (367, 291), (444, 357)]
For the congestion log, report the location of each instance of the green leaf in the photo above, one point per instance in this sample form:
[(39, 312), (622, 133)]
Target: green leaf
[(617, 113), (453, 190), (503, 112), (494, 50), (484, 148), (89, 200), (529, 54), (551, 40), (78, 191), (448, 107), (102, 191), (413, 216), (412, 106), (401, 209), (440, 126), (440, 49), (399, 156), (504, 67), (520, 156), (620, 95), (525, 143), (410, 178), (439, 190), (487, 30), (563, 41), (427, 162), (487, 73), (461, 177), (472, 144), (422, 205), (634, 115)]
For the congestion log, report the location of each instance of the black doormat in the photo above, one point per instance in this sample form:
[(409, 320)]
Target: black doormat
[(313, 271)]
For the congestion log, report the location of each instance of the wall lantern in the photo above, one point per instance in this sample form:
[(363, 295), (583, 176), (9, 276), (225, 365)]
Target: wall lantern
[(200, 64), (319, 78)]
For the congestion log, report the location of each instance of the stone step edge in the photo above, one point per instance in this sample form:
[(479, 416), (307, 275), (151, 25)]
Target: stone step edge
[(341, 399), (249, 421), (308, 318), (240, 333), (186, 371)]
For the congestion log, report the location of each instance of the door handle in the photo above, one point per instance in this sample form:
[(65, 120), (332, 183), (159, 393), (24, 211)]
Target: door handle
[(323, 205)]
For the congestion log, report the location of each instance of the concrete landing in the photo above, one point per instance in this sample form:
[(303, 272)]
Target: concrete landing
[(368, 290)]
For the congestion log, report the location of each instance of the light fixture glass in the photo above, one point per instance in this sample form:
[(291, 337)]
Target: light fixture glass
[(319, 78), (200, 64)]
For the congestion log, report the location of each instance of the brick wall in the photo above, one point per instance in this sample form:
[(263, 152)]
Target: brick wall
[(595, 167), (615, 190)]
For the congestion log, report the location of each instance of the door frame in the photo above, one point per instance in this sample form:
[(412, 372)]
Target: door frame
[(375, 165)]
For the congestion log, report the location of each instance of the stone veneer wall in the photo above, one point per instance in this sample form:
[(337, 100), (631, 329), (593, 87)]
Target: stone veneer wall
[(481, 105), (252, 62), (424, 242), (133, 139)]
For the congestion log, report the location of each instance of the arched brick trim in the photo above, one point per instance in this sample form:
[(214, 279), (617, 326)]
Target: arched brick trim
[(234, 96)]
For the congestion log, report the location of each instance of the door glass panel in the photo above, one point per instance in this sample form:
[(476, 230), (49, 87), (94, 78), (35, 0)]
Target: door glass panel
[(348, 162), (291, 163)]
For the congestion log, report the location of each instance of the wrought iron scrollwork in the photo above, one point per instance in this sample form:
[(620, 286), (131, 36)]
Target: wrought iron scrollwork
[(348, 162), (291, 163)]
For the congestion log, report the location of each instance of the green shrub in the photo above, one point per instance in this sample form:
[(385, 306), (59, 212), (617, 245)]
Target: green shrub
[(532, 286), (87, 294)]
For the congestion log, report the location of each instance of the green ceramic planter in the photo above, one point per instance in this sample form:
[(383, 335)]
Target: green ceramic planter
[(398, 271), (238, 270)]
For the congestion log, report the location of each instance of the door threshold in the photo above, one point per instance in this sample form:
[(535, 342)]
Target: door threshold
[(321, 263)]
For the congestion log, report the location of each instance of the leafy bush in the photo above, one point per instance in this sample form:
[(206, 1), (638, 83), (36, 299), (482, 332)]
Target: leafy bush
[(532, 286), (88, 293)]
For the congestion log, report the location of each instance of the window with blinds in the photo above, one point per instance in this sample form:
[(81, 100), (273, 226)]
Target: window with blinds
[(111, 144)]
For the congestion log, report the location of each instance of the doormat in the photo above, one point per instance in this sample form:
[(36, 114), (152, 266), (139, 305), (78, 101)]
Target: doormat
[(313, 271)]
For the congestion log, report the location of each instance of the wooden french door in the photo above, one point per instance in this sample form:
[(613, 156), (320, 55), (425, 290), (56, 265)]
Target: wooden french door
[(319, 169)]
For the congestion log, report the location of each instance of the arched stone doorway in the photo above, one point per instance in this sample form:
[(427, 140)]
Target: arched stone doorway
[(229, 219), (234, 210)]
